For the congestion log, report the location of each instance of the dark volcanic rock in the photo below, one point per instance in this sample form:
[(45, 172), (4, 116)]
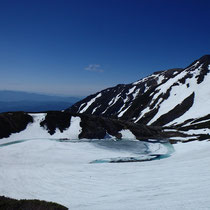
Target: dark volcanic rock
[(13, 204), (176, 112), (56, 119), (95, 127), (204, 71), (13, 122)]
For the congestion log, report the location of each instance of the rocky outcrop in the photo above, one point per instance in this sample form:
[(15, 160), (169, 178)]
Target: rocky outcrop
[(95, 127), (13, 122), (56, 120), (13, 204)]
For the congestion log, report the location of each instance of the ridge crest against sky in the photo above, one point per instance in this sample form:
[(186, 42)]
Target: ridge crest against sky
[(80, 47)]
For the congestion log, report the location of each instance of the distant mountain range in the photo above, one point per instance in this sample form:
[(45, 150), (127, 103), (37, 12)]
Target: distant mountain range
[(32, 102)]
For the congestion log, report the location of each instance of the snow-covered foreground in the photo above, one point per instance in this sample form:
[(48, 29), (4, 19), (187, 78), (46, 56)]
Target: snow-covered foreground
[(62, 172)]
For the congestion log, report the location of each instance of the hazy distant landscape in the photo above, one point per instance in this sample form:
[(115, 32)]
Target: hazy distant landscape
[(33, 102)]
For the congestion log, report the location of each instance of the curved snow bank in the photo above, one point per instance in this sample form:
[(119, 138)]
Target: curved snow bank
[(139, 151)]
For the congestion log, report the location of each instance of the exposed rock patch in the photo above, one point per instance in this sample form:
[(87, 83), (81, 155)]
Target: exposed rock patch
[(13, 122), (178, 111), (13, 204), (56, 119)]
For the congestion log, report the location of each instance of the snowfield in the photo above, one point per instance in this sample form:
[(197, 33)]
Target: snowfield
[(61, 172)]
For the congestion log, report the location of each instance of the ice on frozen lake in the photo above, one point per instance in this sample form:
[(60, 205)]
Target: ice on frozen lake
[(60, 171)]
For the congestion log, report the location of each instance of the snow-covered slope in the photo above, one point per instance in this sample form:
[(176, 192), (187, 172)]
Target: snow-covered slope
[(60, 172), (164, 98)]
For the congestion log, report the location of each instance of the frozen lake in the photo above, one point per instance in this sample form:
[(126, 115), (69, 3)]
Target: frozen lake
[(79, 175)]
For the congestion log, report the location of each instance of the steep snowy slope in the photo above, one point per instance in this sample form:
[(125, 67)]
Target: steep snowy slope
[(164, 98)]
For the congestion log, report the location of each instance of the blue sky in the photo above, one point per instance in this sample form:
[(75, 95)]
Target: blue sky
[(78, 47)]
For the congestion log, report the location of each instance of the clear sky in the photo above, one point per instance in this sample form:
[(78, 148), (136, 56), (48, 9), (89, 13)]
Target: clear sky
[(78, 47)]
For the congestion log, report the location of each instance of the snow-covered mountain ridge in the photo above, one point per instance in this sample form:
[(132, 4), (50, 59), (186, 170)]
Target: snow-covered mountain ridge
[(176, 98), (172, 104)]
